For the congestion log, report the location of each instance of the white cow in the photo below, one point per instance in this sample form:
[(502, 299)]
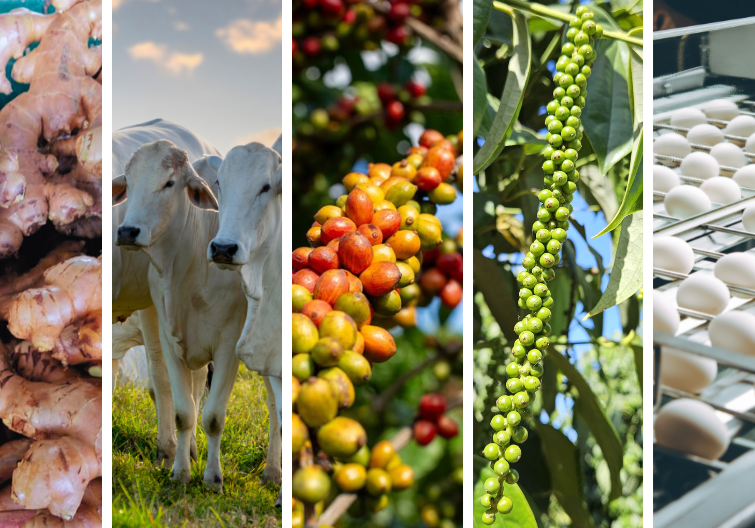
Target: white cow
[(200, 309), (131, 292), (130, 286), (249, 242)]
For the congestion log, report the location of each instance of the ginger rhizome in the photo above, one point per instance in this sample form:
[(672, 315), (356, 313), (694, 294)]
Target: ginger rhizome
[(50, 289), (55, 407), (63, 104)]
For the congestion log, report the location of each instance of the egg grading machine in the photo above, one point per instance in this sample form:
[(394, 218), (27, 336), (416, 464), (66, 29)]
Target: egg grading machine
[(694, 66)]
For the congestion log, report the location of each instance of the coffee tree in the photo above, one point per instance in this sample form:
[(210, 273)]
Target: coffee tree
[(367, 78), (377, 263), (558, 130)]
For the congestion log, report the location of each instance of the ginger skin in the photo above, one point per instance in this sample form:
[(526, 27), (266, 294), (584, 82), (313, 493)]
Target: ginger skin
[(65, 420), (63, 97), (74, 290)]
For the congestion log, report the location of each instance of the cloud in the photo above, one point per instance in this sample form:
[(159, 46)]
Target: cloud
[(246, 36), (267, 137), (180, 26), (119, 3), (175, 62)]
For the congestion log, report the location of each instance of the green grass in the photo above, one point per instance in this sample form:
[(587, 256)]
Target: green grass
[(144, 495)]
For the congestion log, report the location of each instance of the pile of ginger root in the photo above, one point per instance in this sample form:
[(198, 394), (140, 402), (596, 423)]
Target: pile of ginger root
[(51, 267)]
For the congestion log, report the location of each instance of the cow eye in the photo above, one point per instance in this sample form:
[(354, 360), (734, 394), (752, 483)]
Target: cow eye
[(265, 188), (169, 184)]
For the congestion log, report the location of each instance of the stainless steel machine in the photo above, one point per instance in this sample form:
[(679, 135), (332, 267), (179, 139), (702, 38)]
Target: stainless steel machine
[(694, 66)]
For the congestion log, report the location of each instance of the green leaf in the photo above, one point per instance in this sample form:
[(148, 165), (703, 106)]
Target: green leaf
[(480, 89), (480, 15), (607, 116), (511, 100), (567, 475), (595, 417), (593, 184), (626, 275), (490, 280), (520, 517), (633, 193)]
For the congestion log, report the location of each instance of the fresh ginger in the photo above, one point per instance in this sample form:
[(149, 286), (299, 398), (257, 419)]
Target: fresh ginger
[(89, 514), (73, 291), (65, 420), (51, 171), (64, 99)]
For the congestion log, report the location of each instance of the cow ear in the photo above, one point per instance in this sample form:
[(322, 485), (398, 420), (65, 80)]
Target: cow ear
[(119, 190), (278, 145), (214, 161), (206, 171), (200, 194)]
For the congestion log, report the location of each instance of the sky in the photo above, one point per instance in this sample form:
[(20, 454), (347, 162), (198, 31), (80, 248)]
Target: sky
[(214, 67)]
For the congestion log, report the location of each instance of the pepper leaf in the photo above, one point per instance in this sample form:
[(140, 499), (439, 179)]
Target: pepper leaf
[(602, 429), (511, 100), (607, 116), (480, 15), (626, 274)]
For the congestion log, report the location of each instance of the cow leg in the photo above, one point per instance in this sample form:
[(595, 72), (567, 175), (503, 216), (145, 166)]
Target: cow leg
[(160, 388), (226, 367), (185, 416), (272, 472), (199, 379)]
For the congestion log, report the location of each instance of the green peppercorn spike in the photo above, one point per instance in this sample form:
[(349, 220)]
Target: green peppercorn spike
[(564, 137)]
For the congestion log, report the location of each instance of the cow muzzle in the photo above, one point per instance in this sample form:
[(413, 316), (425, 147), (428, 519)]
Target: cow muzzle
[(223, 252), (127, 236)]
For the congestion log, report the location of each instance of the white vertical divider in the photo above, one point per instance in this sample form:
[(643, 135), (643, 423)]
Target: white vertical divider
[(647, 272), (286, 57), (107, 264), (467, 299)]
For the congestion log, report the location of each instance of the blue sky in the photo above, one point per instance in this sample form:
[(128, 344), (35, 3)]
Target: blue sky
[(215, 67)]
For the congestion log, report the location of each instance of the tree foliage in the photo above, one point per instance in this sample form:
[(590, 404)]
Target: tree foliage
[(582, 463)]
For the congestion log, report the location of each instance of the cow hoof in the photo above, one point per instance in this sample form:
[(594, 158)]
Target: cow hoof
[(271, 475), (163, 459), (183, 475), (214, 482)]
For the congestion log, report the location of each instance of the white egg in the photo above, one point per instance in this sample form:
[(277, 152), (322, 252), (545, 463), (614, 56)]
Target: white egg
[(699, 165), (692, 427), (735, 331), (750, 144), (685, 201), (721, 190), (671, 144), (703, 293), (688, 117), (748, 218), (743, 126), (745, 177), (705, 135), (664, 179), (737, 269), (672, 254), (665, 316), (686, 372), (724, 109), (729, 155)]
